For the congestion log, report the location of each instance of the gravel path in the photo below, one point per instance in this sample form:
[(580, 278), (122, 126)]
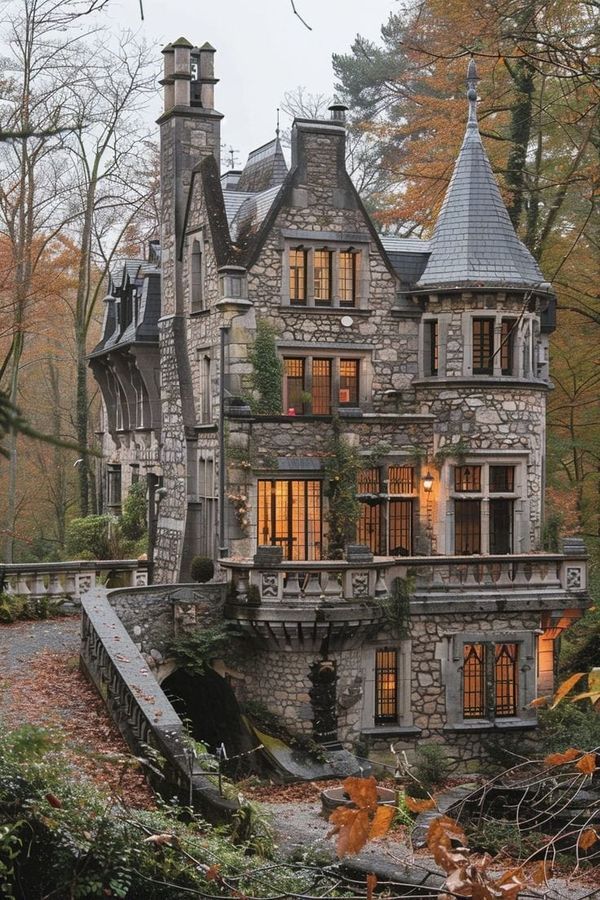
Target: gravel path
[(23, 640)]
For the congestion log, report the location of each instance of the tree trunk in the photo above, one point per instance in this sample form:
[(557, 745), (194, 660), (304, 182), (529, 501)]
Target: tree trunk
[(520, 131)]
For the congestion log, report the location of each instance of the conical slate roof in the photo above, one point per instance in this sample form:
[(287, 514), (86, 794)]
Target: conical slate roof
[(474, 242)]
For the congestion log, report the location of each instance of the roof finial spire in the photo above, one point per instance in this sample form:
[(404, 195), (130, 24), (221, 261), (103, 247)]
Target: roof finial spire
[(277, 128), (472, 79)]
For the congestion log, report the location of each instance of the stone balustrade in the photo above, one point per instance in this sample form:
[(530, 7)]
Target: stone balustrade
[(70, 580), (306, 582), (142, 712), (313, 583)]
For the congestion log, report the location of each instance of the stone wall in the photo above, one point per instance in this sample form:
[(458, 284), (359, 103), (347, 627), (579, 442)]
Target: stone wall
[(154, 615), (281, 682)]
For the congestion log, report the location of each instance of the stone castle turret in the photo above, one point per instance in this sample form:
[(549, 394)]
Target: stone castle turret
[(484, 367)]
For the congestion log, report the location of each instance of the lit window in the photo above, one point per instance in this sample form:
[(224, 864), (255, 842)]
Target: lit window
[(347, 278), (483, 346), (401, 480), (322, 275), (386, 686), (294, 394), (321, 387), (490, 680), (467, 479), (348, 382), (298, 276), (290, 517), (385, 523)]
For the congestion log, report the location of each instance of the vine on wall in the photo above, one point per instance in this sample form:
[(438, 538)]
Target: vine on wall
[(267, 377), (342, 466)]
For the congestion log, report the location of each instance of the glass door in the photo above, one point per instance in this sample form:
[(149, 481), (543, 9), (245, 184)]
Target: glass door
[(290, 517)]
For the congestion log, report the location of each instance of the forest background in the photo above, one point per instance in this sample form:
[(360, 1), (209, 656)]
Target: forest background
[(79, 191)]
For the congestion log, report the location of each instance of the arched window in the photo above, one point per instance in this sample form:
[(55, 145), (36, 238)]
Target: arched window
[(196, 285)]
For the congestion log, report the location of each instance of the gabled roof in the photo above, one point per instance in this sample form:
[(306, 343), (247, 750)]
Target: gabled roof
[(474, 242)]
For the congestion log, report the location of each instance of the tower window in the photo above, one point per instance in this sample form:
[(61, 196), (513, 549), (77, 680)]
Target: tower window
[(507, 333), (483, 346), (432, 347)]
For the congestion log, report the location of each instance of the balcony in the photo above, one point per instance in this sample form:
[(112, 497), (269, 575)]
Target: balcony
[(307, 605), (301, 604)]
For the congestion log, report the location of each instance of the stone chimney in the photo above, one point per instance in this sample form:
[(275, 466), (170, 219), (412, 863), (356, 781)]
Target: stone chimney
[(319, 152)]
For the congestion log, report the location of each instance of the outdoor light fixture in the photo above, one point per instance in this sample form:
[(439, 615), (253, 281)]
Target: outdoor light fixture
[(428, 483)]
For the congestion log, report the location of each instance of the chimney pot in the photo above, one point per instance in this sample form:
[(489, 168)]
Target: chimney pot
[(338, 112)]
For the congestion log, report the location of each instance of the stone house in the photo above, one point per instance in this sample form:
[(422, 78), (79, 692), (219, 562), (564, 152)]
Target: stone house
[(424, 363)]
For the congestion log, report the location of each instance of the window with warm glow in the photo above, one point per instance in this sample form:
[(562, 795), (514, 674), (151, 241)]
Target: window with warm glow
[(322, 277), (294, 385), (290, 517), (347, 278), (321, 387), (490, 680), (508, 330), (348, 382), (385, 523), (298, 276), (386, 686)]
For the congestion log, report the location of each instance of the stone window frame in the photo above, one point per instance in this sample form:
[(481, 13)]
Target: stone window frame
[(452, 666), (196, 286), (521, 536), (290, 350), (404, 714), (335, 246), (441, 320), (386, 497), (207, 403), (114, 479), (523, 343)]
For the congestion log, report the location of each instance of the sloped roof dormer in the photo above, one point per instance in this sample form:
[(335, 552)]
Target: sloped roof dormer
[(474, 242)]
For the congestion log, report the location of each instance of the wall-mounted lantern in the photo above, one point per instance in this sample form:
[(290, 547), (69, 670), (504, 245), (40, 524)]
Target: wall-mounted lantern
[(428, 483)]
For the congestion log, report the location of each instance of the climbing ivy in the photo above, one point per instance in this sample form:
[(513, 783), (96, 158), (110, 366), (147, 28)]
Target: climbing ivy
[(396, 606), (342, 466), (267, 376)]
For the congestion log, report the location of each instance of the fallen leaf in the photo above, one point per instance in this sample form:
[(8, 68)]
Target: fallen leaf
[(54, 801), (419, 806), (565, 687), (587, 838), (587, 764), (381, 821), (559, 759), (371, 885), (352, 827)]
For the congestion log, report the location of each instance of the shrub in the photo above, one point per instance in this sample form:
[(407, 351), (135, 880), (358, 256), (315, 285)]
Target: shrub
[(134, 515), (431, 765), (12, 607), (568, 725), (202, 569), (89, 535)]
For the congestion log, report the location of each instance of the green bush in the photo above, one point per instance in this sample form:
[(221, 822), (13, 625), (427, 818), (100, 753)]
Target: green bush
[(134, 515), (12, 607), (89, 536), (431, 765), (61, 836), (569, 725), (202, 569)]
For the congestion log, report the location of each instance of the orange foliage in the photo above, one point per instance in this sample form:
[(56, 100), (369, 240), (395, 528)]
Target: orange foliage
[(354, 826)]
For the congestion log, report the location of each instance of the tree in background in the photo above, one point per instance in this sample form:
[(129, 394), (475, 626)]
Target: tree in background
[(538, 118), (75, 181)]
